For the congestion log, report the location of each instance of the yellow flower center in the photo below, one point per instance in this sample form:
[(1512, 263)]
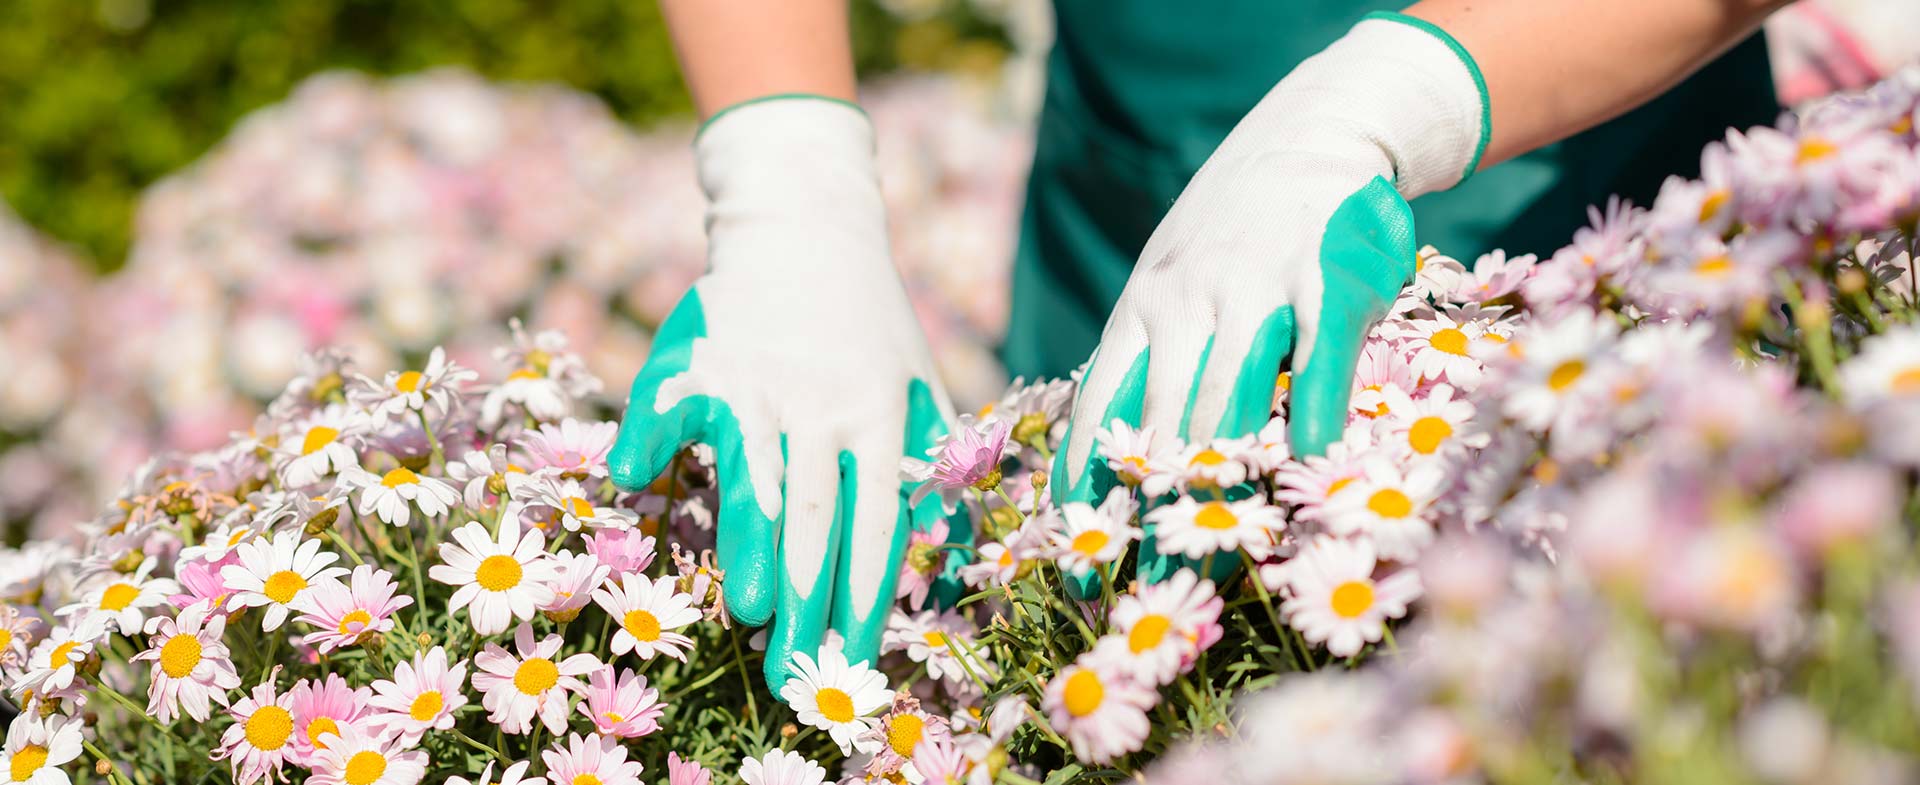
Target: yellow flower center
[(1006, 557), (1088, 543), (1565, 374), (179, 657), (283, 585), (1814, 148), (834, 704), (1428, 433), (1207, 458), (581, 508), (613, 718), (1390, 503), (321, 726), (426, 706), (1907, 381), (1338, 485), (61, 653), (536, 676), (1710, 206), (409, 381), (585, 779), (365, 767), (1216, 516), (1352, 598), (27, 761), (118, 596), (398, 477), (356, 616), (1084, 693), (904, 732), (1714, 266), (317, 437), (935, 639), (1148, 632), (269, 728), (642, 625), (1546, 472), (523, 373), (6, 638), (498, 573), (1449, 340)]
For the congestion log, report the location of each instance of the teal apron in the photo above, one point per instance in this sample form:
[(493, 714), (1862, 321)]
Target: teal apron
[(1139, 92)]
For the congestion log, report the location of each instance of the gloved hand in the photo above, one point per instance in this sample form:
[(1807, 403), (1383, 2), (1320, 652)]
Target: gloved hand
[(1294, 237), (797, 357)]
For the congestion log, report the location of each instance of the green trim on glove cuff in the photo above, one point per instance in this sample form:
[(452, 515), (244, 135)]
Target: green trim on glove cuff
[(1479, 80), (708, 123)]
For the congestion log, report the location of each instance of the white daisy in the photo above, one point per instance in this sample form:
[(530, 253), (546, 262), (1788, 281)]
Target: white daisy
[(278, 573), (320, 444), (836, 697), (1888, 366), (124, 599), (1213, 465), (224, 538), (1268, 450), (517, 689), (356, 756), (1160, 629), (54, 664), (36, 748), (1089, 536), (780, 767), (1555, 364), (1309, 483), (503, 579), (483, 476), (648, 613), (1139, 457), (16, 632), (933, 638), (551, 503), (1334, 599), (1433, 426), (422, 695), (395, 495), (434, 388), (192, 668), (1443, 347), (1101, 711), (514, 774), (1195, 528), (257, 743), (1388, 505)]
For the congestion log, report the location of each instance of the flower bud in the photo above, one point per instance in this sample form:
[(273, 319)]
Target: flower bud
[(1851, 281), (1038, 479), (322, 521)]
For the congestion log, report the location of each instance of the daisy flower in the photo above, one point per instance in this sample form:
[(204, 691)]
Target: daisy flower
[(260, 737), (483, 475), (278, 573), (192, 668), (648, 613), (1160, 629), (1311, 482), (1382, 365), (1887, 367), (998, 564), (433, 388), (1196, 528), (686, 772), (1436, 425), (502, 579), (600, 760), (896, 737), (395, 495), (355, 756), (1091, 536), (573, 448), (1388, 505), (519, 688), (347, 614), (1442, 347), (227, 536), (1213, 465), (970, 458), (1494, 276), (321, 707), (623, 551), (941, 763), (780, 767), (1101, 712), (836, 697), (545, 381), (514, 774), (54, 664), (16, 632), (37, 747), (1335, 600), (1555, 360), (625, 707), (1138, 457), (123, 600), (578, 575), (925, 560), (422, 695), (925, 638), (551, 503), (320, 444)]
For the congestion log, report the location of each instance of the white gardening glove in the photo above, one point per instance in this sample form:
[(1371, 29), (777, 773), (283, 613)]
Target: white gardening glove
[(1294, 237), (797, 357)]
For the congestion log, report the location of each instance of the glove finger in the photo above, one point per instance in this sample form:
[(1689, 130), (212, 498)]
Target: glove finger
[(1180, 356), (1366, 256), (872, 542), (750, 500), (1114, 388), (810, 540), (650, 434), (1237, 388)]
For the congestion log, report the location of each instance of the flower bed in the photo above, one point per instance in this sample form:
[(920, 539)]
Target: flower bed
[(1640, 512)]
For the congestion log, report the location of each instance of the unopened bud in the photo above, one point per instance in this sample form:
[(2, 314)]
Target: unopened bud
[(1851, 281), (322, 521), (562, 616), (102, 767), (423, 640), (789, 730), (1038, 479)]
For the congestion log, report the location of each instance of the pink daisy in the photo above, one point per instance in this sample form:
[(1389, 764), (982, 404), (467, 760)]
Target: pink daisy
[(970, 458), (573, 448), (593, 759), (625, 707), (261, 734), (347, 614), (422, 695), (323, 707), (681, 771), (924, 562), (624, 551), (577, 576), (192, 669), (519, 688)]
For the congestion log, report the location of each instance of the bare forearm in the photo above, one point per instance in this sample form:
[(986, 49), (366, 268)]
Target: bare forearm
[(734, 50), (1557, 67)]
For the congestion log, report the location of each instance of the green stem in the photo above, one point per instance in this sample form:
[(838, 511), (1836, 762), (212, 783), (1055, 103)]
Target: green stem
[(342, 545), (129, 705), (471, 742)]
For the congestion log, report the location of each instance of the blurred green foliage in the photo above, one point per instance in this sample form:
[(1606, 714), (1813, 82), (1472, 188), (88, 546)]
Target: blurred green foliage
[(99, 98)]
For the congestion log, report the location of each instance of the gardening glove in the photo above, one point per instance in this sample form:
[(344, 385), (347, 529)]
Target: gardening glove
[(798, 359), (1294, 237)]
